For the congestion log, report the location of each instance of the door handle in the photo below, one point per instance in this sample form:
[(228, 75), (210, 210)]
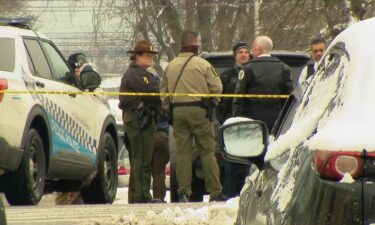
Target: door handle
[(40, 84), (73, 95)]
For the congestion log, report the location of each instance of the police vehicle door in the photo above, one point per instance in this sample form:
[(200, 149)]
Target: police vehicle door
[(70, 115)]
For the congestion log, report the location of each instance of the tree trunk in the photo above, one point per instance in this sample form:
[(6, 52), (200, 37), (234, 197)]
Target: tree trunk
[(225, 24), (257, 27), (205, 25), (190, 8)]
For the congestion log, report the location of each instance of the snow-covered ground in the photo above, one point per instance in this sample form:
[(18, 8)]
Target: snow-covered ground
[(209, 214), (215, 214)]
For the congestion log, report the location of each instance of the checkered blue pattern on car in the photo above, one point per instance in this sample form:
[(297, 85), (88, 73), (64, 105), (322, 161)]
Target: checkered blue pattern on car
[(69, 124)]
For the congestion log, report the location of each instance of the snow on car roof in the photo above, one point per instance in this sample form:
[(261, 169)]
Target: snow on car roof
[(348, 126), (337, 110)]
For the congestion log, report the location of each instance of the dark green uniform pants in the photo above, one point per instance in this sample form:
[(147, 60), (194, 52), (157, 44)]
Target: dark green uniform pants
[(159, 161), (142, 144), (188, 123), (3, 220)]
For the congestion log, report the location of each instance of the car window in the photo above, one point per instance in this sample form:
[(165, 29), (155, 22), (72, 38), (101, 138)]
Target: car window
[(320, 99), (61, 70), (7, 58), (38, 59), (286, 116), (282, 124), (329, 70), (30, 63)]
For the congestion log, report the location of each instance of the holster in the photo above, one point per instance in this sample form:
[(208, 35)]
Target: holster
[(209, 105), (144, 117)]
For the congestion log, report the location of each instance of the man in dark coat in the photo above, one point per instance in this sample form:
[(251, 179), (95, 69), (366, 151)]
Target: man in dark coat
[(241, 54), (234, 173), (262, 75)]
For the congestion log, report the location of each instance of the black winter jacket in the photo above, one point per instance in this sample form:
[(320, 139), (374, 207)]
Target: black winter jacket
[(262, 75), (138, 79)]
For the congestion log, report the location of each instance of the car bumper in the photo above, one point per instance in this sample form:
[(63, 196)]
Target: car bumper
[(10, 157), (329, 202)]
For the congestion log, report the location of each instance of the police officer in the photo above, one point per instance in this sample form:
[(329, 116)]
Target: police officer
[(264, 74), (191, 74), (138, 116), (234, 173), (160, 157), (241, 54)]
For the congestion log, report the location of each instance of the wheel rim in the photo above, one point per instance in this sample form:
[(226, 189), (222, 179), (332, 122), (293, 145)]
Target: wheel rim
[(34, 165), (107, 169)]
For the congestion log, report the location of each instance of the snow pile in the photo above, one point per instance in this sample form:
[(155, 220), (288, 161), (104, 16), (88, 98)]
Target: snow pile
[(215, 214)]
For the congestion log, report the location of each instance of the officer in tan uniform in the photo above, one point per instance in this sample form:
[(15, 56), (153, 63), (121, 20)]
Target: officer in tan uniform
[(139, 113), (190, 117)]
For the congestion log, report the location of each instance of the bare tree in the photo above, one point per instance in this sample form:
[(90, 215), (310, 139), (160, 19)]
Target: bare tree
[(221, 23), (11, 8)]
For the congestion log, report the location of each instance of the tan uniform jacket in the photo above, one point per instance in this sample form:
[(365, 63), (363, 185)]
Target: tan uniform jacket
[(199, 77)]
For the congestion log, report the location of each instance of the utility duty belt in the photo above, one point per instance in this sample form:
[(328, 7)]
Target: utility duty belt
[(206, 103)]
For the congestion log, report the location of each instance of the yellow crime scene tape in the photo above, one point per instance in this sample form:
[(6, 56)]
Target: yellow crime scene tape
[(145, 94)]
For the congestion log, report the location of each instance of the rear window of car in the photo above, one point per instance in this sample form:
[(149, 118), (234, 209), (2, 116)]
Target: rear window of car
[(8, 54)]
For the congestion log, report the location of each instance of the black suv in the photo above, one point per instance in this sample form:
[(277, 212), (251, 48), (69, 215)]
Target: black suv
[(222, 61)]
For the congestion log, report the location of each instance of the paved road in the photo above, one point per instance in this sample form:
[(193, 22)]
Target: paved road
[(78, 214)]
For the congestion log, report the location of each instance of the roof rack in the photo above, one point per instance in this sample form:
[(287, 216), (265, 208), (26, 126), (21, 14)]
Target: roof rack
[(16, 22)]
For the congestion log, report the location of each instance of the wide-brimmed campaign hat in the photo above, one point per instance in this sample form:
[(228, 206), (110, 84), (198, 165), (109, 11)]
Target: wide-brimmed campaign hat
[(142, 47)]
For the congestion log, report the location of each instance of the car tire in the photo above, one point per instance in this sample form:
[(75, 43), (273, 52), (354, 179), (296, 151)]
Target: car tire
[(103, 188), (173, 184), (25, 186)]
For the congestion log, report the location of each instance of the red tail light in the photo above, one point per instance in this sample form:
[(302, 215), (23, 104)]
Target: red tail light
[(122, 170), (3, 86), (334, 164)]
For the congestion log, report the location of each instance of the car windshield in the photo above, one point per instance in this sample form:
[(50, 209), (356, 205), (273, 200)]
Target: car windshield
[(7, 58)]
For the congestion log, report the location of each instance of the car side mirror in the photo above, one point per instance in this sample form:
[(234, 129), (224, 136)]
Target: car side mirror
[(90, 80), (244, 142)]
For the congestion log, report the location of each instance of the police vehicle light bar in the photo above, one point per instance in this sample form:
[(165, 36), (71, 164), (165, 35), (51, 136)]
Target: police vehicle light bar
[(16, 22)]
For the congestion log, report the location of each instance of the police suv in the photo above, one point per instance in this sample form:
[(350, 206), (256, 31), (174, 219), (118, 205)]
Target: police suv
[(52, 138)]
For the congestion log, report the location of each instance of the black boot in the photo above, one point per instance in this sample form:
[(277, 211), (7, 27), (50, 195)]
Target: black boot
[(183, 198), (219, 198)]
